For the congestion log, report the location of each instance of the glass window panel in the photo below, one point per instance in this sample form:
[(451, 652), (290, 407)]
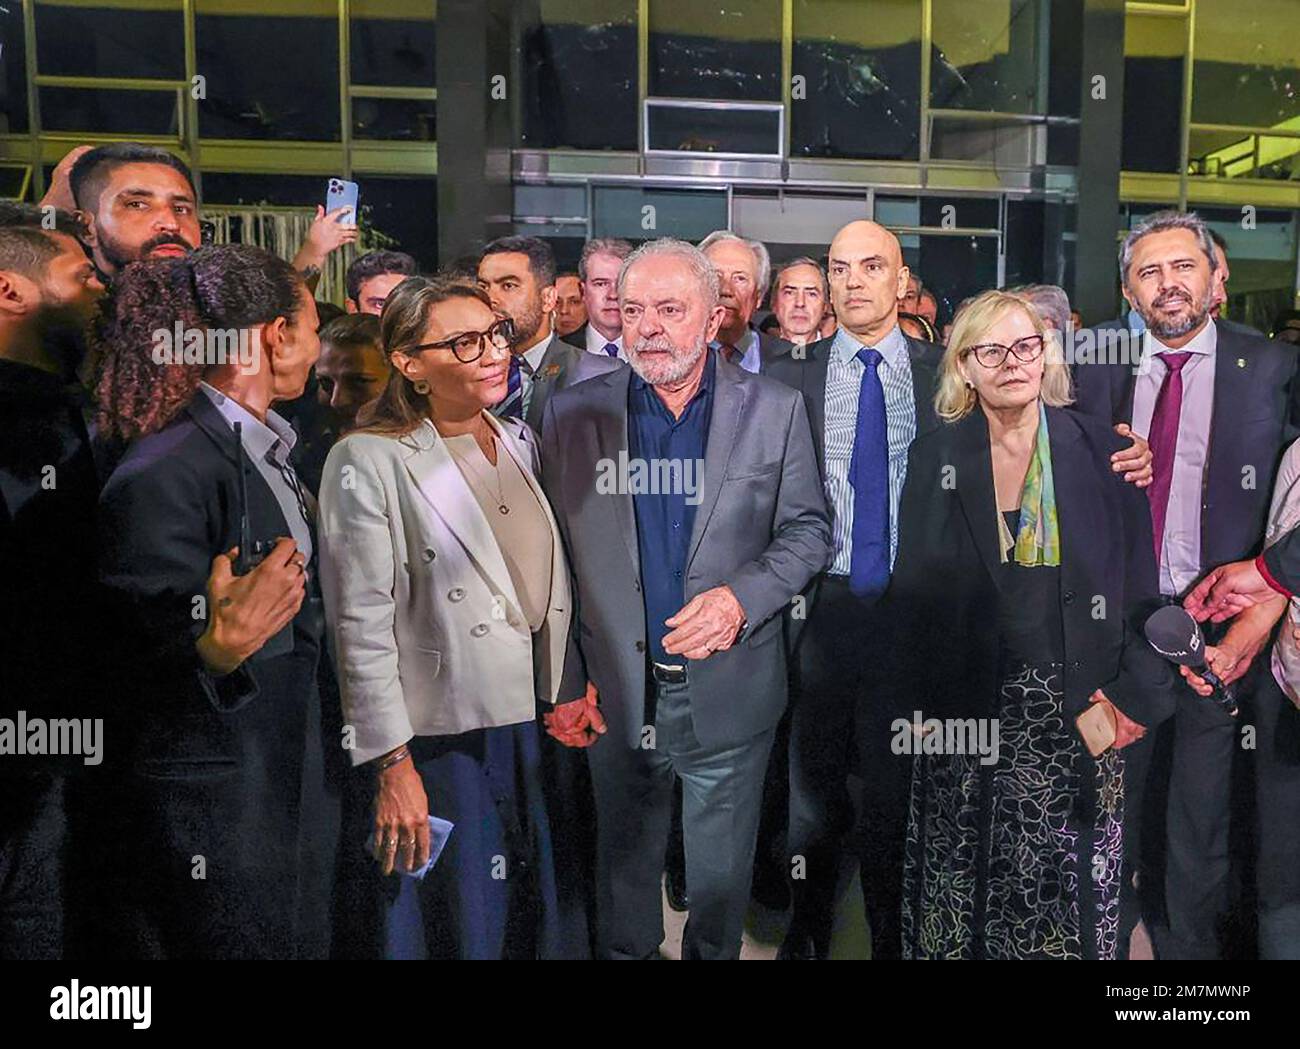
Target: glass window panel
[(580, 75), (1155, 50), (1247, 64), (715, 130), (1000, 142), (726, 49), (221, 187), (260, 87), (392, 42), (107, 111), (1230, 154), (1065, 57), (395, 119), (12, 177), (138, 41), (13, 70), (619, 211), (860, 93), (987, 56)]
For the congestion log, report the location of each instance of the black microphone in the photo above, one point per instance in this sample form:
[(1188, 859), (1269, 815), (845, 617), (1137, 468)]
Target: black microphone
[(1173, 633)]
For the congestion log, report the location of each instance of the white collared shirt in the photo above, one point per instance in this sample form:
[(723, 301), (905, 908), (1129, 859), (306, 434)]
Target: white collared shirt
[(596, 343), (534, 359), (1180, 548), (843, 382), (268, 446)]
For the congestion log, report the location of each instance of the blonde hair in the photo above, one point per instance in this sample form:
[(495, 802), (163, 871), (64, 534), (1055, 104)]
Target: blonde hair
[(954, 399)]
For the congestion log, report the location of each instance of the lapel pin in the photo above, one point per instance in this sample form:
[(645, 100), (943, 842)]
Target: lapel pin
[(551, 371), (1241, 362)]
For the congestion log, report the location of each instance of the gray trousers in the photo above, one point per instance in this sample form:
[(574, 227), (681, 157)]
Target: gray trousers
[(722, 791)]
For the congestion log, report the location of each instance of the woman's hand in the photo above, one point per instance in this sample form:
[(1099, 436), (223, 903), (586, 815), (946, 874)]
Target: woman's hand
[(578, 723), (401, 831), (245, 612), (1126, 729)]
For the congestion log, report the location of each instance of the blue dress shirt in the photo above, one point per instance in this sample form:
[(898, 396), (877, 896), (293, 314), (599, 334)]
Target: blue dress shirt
[(664, 520)]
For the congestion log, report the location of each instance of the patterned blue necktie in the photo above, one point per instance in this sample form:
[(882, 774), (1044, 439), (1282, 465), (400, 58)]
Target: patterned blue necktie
[(611, 348), (869, 477), (513, 405)]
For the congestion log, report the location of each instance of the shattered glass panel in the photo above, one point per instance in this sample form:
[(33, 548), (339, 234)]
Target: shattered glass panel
[(857, 81), (580, 73), (987, 56), (726, 50), (1247, 64)]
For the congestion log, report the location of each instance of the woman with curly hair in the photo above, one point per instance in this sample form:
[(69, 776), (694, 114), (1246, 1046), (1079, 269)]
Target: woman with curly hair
[(222, 828)]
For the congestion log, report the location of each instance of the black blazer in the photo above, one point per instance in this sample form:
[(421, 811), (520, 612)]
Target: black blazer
[(230, 769), (1254, 422), (942, 603), (577, 337)]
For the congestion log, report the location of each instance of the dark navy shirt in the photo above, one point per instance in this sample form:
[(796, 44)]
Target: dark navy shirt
[(661, 447)]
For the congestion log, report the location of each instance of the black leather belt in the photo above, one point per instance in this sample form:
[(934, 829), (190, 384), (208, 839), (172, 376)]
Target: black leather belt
[(667, 674)]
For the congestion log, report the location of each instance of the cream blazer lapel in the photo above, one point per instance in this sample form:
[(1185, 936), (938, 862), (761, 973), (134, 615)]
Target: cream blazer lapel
[(449, 496)]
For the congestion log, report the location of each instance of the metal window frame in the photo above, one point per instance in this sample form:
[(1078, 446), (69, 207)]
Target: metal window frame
[(37, 147)]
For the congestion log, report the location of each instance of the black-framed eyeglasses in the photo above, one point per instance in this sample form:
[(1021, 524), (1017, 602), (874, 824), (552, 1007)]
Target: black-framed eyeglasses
[(992, 354), (468, 346)]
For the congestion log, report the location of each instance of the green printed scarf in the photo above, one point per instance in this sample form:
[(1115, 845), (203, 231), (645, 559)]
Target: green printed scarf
[(1038, 541)]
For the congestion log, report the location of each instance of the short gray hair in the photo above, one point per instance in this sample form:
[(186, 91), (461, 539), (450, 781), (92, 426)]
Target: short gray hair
[(802, 260), (1051, 302), (1157, 223), (701, 267), (620, 249), (764, 260)]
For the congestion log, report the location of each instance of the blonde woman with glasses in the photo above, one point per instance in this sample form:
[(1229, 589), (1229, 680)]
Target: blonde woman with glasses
[(1023, 569)]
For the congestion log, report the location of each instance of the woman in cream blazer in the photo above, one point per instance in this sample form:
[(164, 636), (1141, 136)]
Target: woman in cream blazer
[(448, 603)]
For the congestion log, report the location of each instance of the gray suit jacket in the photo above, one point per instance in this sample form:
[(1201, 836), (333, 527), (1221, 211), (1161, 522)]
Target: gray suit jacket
[(563, 365), (761, 528)]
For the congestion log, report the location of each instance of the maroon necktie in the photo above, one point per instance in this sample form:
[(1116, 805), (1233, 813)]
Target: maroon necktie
[(1163, 439)]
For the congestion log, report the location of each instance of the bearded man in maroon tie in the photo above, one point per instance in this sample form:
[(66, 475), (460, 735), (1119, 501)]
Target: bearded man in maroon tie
[(1216, 405)]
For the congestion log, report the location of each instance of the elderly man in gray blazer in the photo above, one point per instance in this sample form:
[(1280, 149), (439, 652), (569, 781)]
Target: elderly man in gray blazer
[(687, 494)]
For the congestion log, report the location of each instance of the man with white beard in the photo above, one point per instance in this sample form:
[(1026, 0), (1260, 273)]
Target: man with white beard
[(679, 596)]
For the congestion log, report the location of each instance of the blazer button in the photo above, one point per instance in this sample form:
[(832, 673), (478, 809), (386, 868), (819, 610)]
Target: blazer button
[(636, 585), (456, 593), (1076, 665), (640, 646), (428, 555), (478, 630), (1068, 597)]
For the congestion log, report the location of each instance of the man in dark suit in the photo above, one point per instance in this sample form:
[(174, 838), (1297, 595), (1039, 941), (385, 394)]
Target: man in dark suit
[(688, 497), (745, 268), (602, 332), (518, 273), (48, 598), (839, 707), (1215, 404)]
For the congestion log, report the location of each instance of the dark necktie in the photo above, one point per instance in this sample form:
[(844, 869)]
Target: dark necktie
[(869, 477), (611, 349), (513, 405), (1163, 439)]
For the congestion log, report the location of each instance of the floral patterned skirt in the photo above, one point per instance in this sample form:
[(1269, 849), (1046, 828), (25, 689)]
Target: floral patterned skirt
[(1021, 857)]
